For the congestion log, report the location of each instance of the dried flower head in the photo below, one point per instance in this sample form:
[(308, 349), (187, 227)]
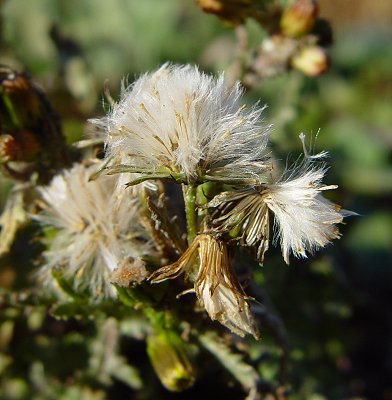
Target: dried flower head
[(304, 219), (130, 271), (180, 123), (97, 229), (207, 262)]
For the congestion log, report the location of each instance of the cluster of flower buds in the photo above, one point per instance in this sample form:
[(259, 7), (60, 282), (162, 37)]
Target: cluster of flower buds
[(296, 35)]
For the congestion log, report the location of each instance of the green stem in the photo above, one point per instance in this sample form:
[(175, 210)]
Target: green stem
[(157, 318), (189, 192), (203, 195)]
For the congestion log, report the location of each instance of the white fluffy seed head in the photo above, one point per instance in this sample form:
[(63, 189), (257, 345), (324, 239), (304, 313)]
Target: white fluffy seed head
[(189, 122), (97, 228), (305, 220)]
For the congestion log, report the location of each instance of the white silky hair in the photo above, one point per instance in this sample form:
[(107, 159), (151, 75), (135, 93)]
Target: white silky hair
[(188, 121), (96, 226), (304, 219)]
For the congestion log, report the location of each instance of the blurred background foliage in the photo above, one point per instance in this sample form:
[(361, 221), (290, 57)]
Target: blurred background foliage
[(336, 307)]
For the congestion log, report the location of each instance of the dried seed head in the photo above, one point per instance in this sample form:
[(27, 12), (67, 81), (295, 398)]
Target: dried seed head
[(207, 262), (97, 230), (180, 123), (130, 271)]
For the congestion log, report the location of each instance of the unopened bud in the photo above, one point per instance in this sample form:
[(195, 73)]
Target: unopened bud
[(311, 60), (298, 19), (235, 12), (170, 360), (231, 13)]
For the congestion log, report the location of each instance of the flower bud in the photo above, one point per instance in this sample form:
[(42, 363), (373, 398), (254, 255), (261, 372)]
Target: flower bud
[(170, 360), (235, 12), (311, 60), (298, 19)]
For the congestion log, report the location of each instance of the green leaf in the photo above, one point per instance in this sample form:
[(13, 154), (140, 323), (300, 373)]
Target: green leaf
[(69, 310), (147, 173), (126, 373), (244, 373), (66, 285), (106, 362), (101, 170), (144, 178)]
